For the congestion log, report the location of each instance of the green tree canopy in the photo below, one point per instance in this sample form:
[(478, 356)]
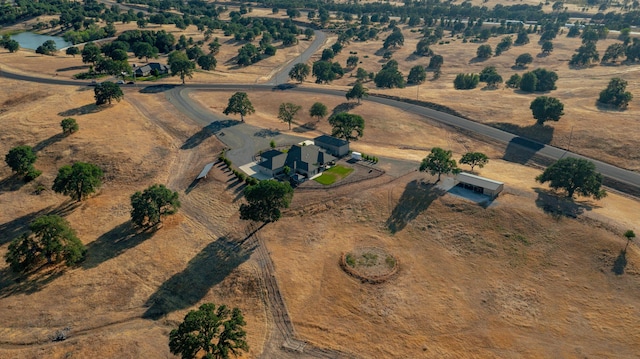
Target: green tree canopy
[(265, 200), (389, 76), (574, 175), (239, 104), (152, 204), (325, 71), (299, 72), (547, 47), (181, 65), (357, 91), (20, 159), (217, 333), (318, 110), (513, 81), (417, 75), (436, 62), (615, 94), (47, 48), (352, 61), (546, 108), (466, 81), (613, 52), (51, 238), (522, 38), (91, 53), (474, 159), (586, 54), (395, 39), (422, 47), (287, 112), (69, 126), (144, 49), (207, 62), (12, 45), (484, 51), (72, 50), (106, 92), (490, 76), (78, 181), (347, 126), (539, 79), (439, 162), (523, 60)]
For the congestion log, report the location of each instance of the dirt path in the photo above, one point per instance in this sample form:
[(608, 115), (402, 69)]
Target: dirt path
[(282, 342)]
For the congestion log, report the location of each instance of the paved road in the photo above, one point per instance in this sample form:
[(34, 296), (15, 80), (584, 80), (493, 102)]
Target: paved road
[(204, 117)]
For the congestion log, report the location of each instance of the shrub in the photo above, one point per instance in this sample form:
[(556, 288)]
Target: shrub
[(466, 81)]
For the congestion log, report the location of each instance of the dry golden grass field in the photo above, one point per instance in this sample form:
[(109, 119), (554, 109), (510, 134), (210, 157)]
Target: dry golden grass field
[(529, 276)]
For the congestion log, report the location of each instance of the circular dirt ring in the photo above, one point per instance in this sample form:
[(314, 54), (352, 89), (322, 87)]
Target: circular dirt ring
[(369, 264)]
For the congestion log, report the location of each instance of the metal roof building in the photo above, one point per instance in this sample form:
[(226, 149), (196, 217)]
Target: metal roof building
[(479, 184)]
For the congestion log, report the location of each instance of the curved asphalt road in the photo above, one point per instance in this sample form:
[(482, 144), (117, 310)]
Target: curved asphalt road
[(204, 117)]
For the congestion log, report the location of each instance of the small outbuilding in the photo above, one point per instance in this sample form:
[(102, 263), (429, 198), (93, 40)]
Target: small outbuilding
[(334, 146), (479, 184)]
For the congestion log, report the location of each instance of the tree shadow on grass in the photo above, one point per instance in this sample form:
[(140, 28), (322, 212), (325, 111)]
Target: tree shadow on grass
[(12, 229), (115, 242), (208, 268), (72, 68), (10, 184), (415, 199), (560, 206), (48, 142), (206, 132), (344, 107), (17, 283), (82, 110), (620, 263)]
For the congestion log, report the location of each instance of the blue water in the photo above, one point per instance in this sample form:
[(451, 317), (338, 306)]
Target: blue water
[(29, 40)]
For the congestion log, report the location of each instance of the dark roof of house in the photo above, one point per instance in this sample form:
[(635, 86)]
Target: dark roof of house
[(270, 154), (307, 157), (273, 159), (333, 141), (152, 66)]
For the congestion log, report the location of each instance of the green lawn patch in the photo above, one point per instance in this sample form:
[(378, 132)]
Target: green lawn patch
[(333, 174)]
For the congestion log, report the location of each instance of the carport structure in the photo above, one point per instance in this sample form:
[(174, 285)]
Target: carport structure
[(479, 184)]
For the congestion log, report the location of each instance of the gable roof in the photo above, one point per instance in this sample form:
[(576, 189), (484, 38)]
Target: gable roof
[(273, 159), (329, 140), (478, 181), (307, 157), (152, 66)]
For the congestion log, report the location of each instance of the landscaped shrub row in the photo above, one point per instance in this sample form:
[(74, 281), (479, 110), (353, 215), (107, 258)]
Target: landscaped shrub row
[(250, 181), (371, 159)]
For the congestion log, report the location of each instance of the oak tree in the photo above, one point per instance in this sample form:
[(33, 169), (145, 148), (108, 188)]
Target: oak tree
[(439, 162), (287, 112), (347, 126), (239, 104), (78, 181), (574, 175), (151, 205), (265, 201), (216, 332)]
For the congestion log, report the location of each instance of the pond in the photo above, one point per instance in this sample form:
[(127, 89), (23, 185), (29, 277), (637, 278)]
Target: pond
[(30, 40)]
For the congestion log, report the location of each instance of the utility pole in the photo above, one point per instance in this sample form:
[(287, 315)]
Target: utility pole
[(570, 137)]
